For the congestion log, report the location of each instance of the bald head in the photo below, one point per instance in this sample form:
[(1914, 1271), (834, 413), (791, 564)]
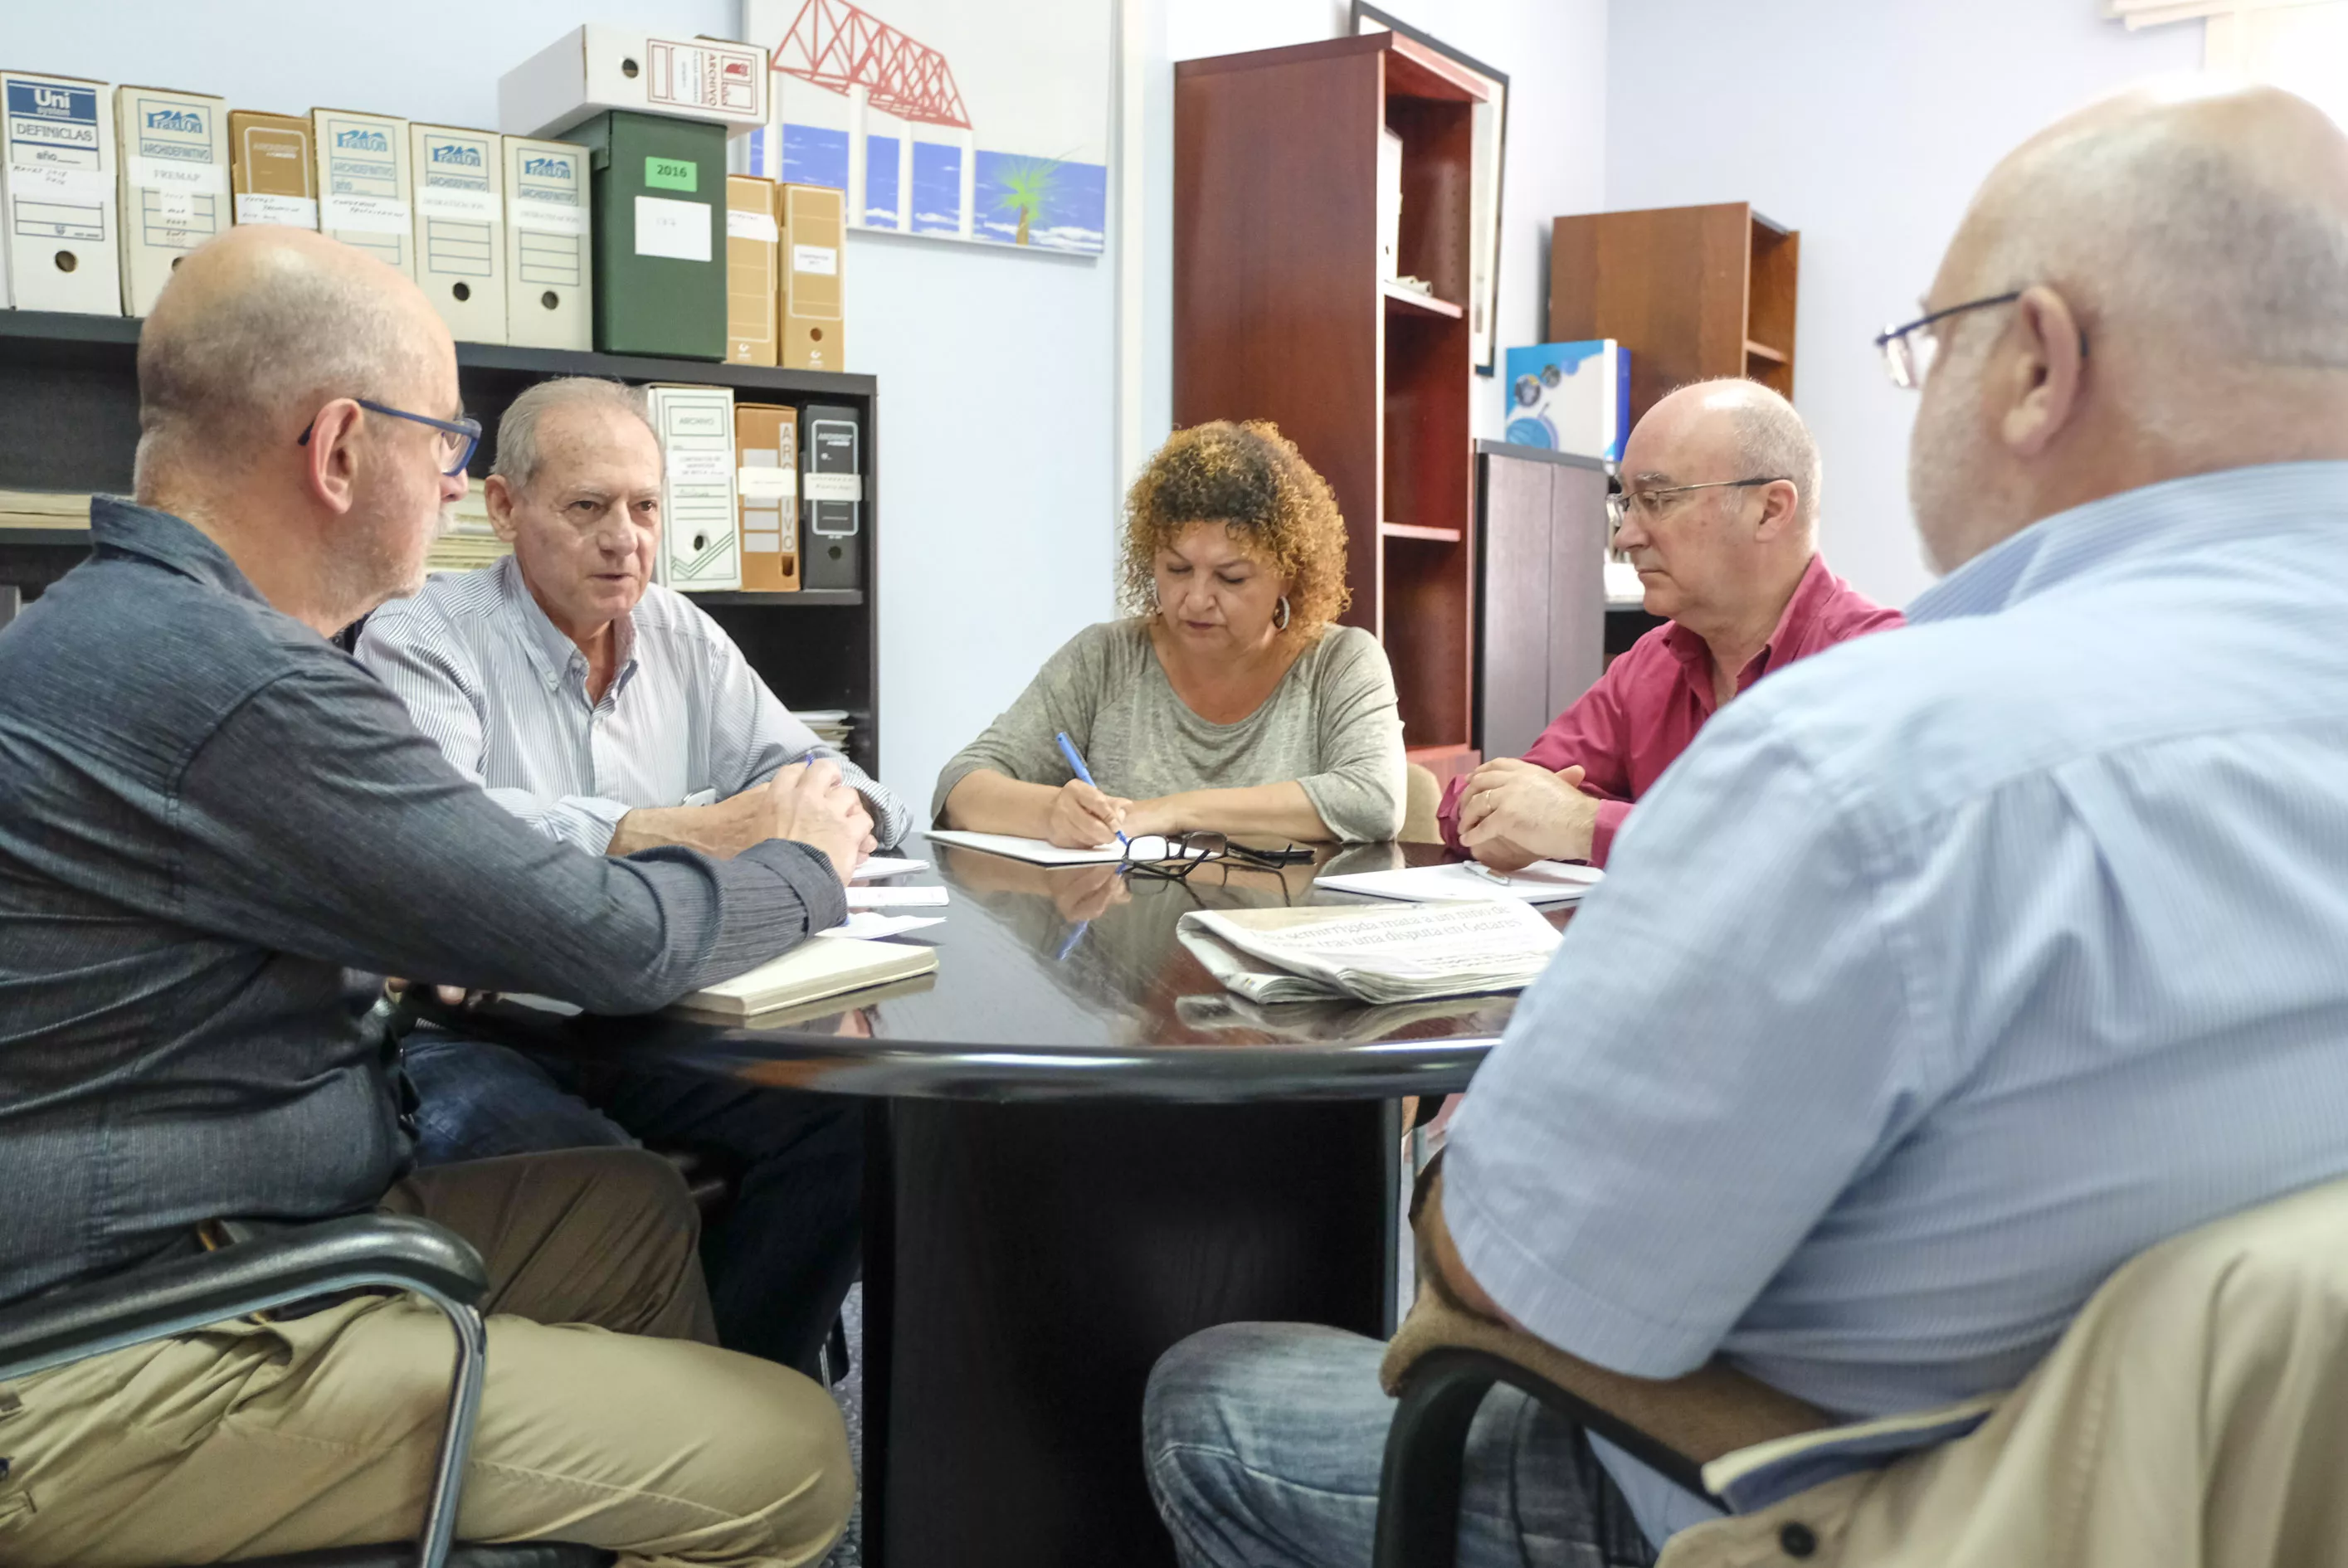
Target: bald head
[(1757, 429), (2182, 257), (257, 328)]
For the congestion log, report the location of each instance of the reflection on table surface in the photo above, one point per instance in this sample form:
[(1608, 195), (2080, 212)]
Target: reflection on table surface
[(1064, 979)]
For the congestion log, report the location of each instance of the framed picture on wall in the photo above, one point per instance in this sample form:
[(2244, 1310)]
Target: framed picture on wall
[(1484, 213), (941, 118)]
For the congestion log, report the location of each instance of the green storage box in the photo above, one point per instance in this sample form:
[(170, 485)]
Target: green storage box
[(659, 189)]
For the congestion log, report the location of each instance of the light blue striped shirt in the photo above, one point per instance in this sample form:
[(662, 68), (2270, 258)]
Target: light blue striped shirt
[(502, 691), (1948, 970)]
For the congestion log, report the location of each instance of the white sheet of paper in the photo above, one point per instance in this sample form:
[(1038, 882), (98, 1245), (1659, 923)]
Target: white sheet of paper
[(867, 922), (895, 897), (888, 866), (1544, 881)]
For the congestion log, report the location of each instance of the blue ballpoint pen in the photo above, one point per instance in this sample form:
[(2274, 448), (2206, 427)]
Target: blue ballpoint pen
[(1068, 750)]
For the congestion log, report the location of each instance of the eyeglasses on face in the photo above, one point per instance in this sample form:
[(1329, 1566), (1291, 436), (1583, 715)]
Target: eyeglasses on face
[(1651, 504), (452, 446), (1909, 351)]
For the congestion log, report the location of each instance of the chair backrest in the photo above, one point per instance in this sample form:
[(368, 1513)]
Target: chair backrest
[(1420, 801)]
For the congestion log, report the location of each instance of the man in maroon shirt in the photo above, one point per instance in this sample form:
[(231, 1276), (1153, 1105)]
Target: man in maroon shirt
[(1719, 513)]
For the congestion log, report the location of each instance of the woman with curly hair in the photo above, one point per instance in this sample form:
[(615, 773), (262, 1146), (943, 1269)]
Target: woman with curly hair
[(1228, 699)]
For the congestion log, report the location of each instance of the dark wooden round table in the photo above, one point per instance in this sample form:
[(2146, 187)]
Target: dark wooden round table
[(1081, 1148)]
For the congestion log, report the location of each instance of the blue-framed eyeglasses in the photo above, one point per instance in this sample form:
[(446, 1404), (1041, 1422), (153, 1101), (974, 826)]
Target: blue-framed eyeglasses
[(455, 444)]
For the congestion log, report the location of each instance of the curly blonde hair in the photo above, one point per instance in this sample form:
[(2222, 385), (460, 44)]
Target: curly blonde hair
[(1251, 478)]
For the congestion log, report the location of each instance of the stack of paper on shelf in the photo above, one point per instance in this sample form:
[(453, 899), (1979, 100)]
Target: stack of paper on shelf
[(43, 509), (832, 725), (1407, 955), (470, 541)]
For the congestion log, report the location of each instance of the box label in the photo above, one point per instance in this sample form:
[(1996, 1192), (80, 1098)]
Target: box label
[(835, 487), (672, 174), (677, 230), (821, 260), (473, 206), (696, 467), (366, 214), (760, 226), (295, 212), (693, 76), (167, 174), (765, 484), (53, 124), (545, 213)]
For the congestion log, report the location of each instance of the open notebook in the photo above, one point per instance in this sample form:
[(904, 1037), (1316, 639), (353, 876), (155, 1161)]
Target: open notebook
[(811, 972)]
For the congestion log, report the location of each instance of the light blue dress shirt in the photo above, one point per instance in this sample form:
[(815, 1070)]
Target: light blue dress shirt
[(1947, 971), (503, 693)]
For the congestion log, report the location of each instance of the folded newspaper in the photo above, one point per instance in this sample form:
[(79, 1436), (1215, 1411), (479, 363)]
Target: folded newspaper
[(1406, 955)]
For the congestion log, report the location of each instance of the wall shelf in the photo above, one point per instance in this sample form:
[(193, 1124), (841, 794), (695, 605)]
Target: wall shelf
[(1402, 299), (1432, 535), (69, 421), (1763, 351)]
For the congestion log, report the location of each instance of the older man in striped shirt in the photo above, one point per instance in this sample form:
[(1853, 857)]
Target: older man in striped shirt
[(611, 713)]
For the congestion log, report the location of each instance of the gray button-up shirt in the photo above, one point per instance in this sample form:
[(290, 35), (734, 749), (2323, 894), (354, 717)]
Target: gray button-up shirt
[(217, 832), (686, 719)]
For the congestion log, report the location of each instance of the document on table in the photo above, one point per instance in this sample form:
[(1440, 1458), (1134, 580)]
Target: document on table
[(895, 897), (1034, 852), (1459, 882), (1371, 954), (865, 922), (888, 866)]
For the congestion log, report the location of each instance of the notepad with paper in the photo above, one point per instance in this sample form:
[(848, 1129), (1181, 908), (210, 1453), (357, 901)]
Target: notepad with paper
[(1370, 955), (811, 972), (1544, 881)]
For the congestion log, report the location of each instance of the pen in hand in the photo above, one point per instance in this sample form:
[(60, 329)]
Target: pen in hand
[(1068, 750)]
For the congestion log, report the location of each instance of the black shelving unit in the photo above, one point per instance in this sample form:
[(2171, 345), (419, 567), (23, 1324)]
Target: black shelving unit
[(69, 421)]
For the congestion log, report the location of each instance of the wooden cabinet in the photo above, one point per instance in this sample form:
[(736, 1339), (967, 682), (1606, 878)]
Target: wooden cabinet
[(1282, 312), (1694, 292), (1541, 595)]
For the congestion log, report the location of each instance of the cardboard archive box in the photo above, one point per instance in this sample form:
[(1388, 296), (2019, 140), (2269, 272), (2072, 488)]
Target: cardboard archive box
[(550, 257), (699, 547), (590, 69), (57, 200), (365, 185), (173, 189), (832, 497), (659, 187), (815, 221), (273, 169), (460, 228), (767, 480), (752, 290)]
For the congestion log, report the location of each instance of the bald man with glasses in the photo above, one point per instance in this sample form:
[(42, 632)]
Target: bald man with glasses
[(1719, 514)]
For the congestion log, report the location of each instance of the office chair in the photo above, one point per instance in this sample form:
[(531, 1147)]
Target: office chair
[(367, 1251), (2191, 1412)]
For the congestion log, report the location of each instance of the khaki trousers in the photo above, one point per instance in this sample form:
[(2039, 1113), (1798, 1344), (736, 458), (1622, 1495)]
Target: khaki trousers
[(607, 1418)]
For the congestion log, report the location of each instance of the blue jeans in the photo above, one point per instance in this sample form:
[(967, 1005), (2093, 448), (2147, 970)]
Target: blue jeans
[(782, 1256), (1263, 1443)]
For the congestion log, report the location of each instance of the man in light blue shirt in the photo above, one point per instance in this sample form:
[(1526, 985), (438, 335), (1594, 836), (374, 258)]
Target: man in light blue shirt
[(1953, 967), (614, 713)]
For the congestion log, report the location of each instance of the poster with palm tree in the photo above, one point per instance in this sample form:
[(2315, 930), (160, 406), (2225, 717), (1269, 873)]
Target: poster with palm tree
[(941, 119)]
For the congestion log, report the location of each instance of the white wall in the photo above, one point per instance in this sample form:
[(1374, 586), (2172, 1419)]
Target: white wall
[(996, 483), (1866, 124)]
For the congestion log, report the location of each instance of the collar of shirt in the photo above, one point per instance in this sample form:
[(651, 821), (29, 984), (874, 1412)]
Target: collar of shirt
[(129, 529), (1809, 597), (552, 652), (2149, 520)]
